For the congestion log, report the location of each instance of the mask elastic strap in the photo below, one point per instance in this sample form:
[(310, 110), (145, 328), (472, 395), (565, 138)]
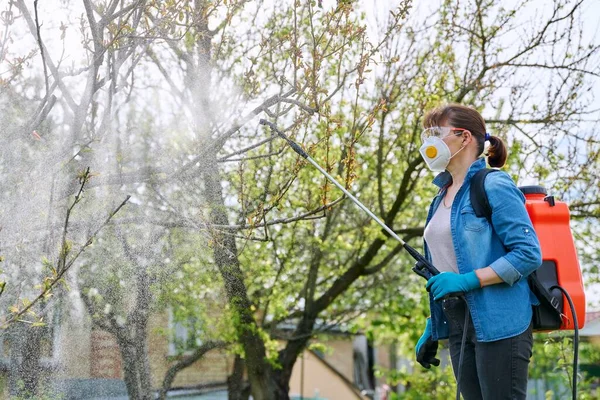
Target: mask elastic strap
[(459, 150)]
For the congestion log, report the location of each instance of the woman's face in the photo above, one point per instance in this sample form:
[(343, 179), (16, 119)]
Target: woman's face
[(454, 138)]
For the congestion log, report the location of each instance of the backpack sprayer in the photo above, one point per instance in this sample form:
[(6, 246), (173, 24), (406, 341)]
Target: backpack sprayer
[(558, 276)]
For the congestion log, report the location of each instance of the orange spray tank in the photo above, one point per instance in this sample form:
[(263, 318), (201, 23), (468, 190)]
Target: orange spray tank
[(560, 265)]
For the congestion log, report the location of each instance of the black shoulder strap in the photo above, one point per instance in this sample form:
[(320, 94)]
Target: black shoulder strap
[(479, 199)]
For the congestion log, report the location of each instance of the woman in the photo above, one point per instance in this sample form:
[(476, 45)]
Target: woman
[(487, 264)]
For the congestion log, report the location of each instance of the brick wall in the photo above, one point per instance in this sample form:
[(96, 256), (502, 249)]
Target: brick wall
[(105, 358)]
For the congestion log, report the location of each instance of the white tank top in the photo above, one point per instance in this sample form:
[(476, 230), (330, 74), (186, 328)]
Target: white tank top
[(439, 240)]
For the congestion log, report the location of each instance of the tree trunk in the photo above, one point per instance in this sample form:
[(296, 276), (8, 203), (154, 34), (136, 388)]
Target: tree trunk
[(130, 375), (25, 368), (135, 370), (237, 388), (289, 355), (133, 347), (139, 319), (133, 342), (263, 387)]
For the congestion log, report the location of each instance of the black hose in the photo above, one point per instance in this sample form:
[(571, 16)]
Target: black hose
[(462, 348), (575, 339)]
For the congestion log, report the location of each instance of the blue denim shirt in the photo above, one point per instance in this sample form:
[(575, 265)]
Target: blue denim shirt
[(511, 248)]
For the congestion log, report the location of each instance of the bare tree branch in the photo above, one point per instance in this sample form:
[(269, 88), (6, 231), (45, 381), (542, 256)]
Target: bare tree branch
[(48, 286), (39, 39)]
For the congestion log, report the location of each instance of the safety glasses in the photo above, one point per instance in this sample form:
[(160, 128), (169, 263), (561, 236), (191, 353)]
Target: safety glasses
[(440, 132)]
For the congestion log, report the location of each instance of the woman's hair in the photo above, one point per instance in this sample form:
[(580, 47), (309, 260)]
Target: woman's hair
[(460, 116)]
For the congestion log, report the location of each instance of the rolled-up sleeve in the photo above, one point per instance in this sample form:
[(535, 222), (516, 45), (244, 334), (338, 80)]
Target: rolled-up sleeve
[(513, 226)]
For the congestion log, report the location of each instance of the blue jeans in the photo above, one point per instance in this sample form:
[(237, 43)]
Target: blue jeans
[(490, 370)]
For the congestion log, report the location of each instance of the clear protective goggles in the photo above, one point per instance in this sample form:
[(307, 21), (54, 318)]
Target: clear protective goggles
[(440, 132)]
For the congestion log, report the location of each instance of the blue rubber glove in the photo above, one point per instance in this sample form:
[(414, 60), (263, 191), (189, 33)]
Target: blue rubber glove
[(427, 348), (447, 283)]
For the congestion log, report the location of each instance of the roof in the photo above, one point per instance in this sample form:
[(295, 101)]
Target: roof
[(592, 325), (592, 316), (320, 328)]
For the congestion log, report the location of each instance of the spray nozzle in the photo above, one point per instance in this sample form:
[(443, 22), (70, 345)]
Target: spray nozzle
[(292, 144)]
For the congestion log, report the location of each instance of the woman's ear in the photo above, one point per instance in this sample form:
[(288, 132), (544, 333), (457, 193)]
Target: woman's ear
[(467, 137)]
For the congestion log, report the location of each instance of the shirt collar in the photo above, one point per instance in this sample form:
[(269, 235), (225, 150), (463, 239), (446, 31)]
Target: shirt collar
[(443, 179)]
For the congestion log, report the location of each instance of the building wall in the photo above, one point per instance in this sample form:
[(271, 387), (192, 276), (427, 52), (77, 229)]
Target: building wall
[(312, 378), (341, 355)]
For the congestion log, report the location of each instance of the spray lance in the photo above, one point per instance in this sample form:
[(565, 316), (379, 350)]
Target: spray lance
[(422, 267)]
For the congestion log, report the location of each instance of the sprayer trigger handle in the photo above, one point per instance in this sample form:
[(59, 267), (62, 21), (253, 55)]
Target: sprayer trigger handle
[(421, 270)]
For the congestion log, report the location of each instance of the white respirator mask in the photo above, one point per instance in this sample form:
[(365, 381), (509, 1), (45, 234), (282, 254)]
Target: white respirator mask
[(434, 150)]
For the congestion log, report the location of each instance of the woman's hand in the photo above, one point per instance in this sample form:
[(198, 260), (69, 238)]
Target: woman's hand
[(426, 348), (447, 283)]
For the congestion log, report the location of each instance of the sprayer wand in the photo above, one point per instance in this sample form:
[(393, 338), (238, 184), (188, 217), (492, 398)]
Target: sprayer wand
[(422, 267)]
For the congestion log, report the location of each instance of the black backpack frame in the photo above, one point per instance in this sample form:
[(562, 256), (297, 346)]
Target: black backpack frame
[(543, 282)]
